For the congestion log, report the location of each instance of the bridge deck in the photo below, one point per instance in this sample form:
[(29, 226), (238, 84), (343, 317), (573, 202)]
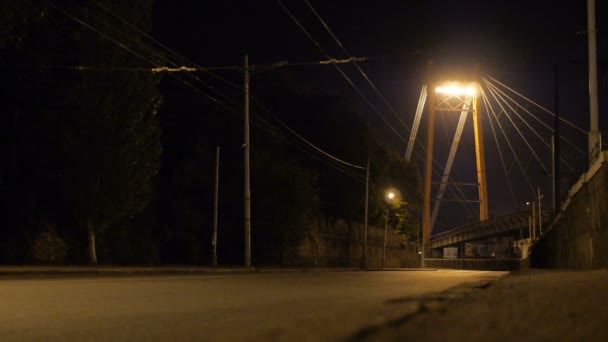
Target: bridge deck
[(483, 229)]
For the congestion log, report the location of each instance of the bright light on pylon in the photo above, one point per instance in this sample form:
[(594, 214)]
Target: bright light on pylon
[(456, 90)]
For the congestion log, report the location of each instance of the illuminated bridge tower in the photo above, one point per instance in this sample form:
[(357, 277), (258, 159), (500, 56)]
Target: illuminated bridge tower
[(453, 96)]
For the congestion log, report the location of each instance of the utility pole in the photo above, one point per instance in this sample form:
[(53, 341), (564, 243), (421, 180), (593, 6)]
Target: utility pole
[(247, 186), (385, 234), (215, 207), (364, 261), (533, 219), (540, 216), (555, 143), (594, 134), (428, 170)]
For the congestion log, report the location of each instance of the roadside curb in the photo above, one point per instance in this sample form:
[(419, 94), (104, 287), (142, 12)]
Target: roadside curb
[(148, 270), (113, 270)]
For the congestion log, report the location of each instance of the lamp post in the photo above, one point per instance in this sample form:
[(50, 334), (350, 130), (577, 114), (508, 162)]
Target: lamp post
[(391, 197)]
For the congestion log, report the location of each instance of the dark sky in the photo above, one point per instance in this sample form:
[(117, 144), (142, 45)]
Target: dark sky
[(518, 42)]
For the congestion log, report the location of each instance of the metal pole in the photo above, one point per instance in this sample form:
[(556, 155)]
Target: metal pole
[(385, 233), (533, 219), (426, 218), (366, 210), (556, 188), (247, 186), (540, 212), (215, 207), (594, 135)]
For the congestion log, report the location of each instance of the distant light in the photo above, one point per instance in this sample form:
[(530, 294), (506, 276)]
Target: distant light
[(527, 203), (456, 90), (391, 195)]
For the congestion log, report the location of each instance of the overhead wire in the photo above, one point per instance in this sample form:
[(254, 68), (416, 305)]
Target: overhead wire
[(357, 65), (123, 46), (143, 57), (233, 110), (350, 82), (198, 68), (145, 34)]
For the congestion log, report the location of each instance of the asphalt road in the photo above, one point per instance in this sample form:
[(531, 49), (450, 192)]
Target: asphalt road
[(259, 306)]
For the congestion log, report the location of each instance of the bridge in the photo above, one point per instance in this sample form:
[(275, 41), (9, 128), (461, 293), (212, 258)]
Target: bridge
[(497, 108)]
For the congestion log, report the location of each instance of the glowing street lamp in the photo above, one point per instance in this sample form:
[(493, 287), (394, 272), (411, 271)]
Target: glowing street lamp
[(392, 197)]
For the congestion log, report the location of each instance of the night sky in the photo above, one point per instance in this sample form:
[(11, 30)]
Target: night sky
[(517, 42)]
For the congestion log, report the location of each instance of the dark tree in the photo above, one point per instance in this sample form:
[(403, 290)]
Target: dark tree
[(114, 135)]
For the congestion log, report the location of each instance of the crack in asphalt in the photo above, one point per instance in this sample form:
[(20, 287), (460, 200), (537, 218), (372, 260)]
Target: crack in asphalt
[(435, 302)]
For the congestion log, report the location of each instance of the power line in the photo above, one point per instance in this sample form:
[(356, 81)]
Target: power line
[(151, 62), (295, 20), (190, 69), (198, 68), (123, 46), (357, 65), (359, 92)]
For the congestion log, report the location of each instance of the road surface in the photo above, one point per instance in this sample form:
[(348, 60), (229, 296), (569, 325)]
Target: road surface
[(260, 306)]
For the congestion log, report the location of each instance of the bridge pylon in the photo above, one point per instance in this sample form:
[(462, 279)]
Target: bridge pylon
[(453, 96)]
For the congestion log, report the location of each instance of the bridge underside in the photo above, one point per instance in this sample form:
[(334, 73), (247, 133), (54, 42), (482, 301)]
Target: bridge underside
[(497, 244)]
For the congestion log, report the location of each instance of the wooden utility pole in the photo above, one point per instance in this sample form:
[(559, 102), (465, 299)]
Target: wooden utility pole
[(428, 171), (215, 207), (594, 134), (364, 259), (247, 186)]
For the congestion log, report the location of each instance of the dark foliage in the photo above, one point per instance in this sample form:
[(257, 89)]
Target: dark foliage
[(91, 152)]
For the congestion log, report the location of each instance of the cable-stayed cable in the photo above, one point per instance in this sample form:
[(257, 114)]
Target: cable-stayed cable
[(502, 160), (492, 88), (509, 143), (517, 128), (539, 106), (537, 119)]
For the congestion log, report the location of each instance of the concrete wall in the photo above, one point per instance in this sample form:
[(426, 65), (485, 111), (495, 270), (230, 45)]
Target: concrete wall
[(340, 244), (578, 239)]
